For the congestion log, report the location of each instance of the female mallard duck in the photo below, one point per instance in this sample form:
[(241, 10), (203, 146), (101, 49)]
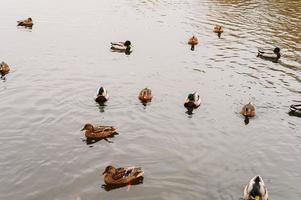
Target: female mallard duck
[(256, 190), (99, 132), (27, 22), (192, 101), (121, 46), (219, 30), (145, 95), (122, 176), (248, 110), (102, 95), (4, 68), (193, 41), (272, 55)]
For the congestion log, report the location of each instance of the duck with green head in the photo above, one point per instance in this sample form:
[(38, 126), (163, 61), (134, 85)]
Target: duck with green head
[(256, 190), (268, 54), (123, 47), (102, 95), (193, 100)]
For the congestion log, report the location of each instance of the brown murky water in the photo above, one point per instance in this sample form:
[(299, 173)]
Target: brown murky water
[(59, 64)]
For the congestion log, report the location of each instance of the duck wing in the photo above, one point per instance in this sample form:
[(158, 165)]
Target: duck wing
[(117, 43), (100, 128), (126, 175), (101, 132), (118, 47)]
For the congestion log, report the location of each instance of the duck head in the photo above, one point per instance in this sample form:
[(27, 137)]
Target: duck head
[(277, 52), (127, 43), (100, 91), (29, 19), (191, 97), (109, 170), (88, 127)]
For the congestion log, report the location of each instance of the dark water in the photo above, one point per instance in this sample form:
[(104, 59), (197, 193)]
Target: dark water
[(58, 65)]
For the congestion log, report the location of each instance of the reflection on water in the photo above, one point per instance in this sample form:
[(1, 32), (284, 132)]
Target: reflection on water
[(208, 155)]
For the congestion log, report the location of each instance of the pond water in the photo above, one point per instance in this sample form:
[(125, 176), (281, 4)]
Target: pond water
[(57, 67)]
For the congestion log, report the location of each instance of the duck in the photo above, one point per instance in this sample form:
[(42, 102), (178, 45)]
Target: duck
[(193, 41), (248, 110), (256, 190), (121, 46), (192, 101), (122, 176), (26, 22), (219, 30), (4, 69), (295, 110), (272, 55), (102, 95), (99, 132), (145, 95)]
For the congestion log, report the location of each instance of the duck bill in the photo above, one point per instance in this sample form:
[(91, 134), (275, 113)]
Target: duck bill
[(82, 129), (257, 198), (103, 173)]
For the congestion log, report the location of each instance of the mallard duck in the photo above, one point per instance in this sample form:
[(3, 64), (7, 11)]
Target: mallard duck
[(121, 46), (193, 41), (192, 101), (272, 55), (4, 68), (255, 190), (27, 22), (248, 110), (295, 110), (99, 132), (145, 95), (122, 176), (219, 30), (102, 95)]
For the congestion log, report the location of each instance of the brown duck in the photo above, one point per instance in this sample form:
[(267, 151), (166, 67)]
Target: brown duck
[(122, 176), (99, 132), (26, 22), (145, 95), (219, 30), (248, 110), (4, 68)]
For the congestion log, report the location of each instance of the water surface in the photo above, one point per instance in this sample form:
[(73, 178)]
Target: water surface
[(57, 67)]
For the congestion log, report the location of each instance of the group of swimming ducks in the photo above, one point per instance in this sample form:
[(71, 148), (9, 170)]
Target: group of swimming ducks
[(118, 177)]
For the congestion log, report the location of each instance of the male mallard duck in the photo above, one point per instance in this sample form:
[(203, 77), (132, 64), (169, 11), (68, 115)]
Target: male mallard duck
[(248, 110), (121, 46), (219, 30), (269, 54), (295, 110), (193, 100), (255, 190), (4, 68), (122, 176), (102, 95), (99, 132), (27, 22), (145, 95)]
